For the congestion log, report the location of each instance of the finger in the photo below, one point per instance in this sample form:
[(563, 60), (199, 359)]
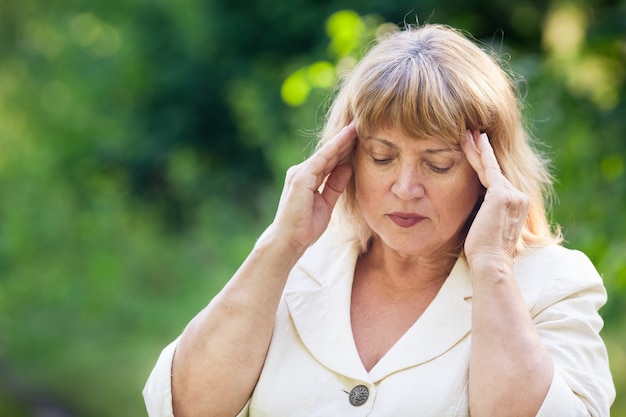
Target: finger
[(325, 159), (481, 157), (336, 183), (492, 172), (471, 153)]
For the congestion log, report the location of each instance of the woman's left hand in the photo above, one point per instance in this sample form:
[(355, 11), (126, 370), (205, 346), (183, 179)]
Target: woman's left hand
[(496, 229)]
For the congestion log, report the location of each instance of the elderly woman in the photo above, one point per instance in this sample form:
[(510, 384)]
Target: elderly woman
[(410, 269)]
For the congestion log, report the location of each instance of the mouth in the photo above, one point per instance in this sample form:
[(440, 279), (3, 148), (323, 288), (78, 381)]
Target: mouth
[(405, 220)]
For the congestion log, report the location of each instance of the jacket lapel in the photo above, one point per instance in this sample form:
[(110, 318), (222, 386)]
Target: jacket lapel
[(318, 298), (445, 322)]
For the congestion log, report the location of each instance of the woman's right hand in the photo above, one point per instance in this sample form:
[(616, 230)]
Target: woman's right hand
[(305, 206), (220, 355)]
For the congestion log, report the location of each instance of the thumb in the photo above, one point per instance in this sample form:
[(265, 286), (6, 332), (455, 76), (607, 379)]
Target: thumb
[(336, 183)]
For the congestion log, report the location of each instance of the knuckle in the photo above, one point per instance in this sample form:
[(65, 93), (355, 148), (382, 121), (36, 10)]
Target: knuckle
[(524, 198), (298, 176), (510, 196), (293, 172), (516, 198)]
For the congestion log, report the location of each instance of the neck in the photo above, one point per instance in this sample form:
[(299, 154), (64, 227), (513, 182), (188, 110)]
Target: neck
[(406, 272)]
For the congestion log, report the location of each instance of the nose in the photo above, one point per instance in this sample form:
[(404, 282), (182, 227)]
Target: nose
[(407, 184)]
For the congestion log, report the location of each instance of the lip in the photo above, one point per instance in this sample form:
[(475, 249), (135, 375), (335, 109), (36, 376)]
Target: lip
[(405, 220)]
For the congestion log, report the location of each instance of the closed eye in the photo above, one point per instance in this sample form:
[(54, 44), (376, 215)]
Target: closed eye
[(439, 170), (382, 161)]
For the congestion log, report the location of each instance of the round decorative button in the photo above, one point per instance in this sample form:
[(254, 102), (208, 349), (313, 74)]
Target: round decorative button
[(358, 395)]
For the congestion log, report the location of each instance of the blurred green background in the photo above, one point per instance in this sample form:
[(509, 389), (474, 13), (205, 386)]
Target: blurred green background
[(143, 146)]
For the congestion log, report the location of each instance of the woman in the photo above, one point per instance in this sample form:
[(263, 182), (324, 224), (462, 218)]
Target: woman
[(437, 288)]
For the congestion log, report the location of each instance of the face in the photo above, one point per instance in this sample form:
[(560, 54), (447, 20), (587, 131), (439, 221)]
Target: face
[(415, 194)]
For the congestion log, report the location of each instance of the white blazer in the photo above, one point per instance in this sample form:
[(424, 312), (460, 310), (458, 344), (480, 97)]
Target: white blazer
[(313, 366)]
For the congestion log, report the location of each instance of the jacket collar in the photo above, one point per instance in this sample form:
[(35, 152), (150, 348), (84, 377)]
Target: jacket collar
[(318, 297)]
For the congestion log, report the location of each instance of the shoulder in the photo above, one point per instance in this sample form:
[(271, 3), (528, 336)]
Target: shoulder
[(555, 261), (552, 273)]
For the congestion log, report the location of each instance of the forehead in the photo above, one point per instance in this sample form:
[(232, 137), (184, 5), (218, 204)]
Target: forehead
[(398, 141)]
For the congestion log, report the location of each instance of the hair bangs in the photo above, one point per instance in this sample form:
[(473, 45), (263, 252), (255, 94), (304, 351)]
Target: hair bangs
[(411, 96)]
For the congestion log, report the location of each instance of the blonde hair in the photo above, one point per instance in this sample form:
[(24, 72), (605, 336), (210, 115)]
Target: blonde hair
[(433, 82)]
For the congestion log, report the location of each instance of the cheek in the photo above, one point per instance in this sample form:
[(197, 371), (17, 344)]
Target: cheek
[(365, 178), (458, 197), (366, 185)]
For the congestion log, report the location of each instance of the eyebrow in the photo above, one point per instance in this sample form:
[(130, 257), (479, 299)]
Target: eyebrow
[(431, 151)]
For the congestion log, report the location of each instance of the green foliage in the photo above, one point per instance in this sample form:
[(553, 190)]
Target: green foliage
[(142, 147)]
